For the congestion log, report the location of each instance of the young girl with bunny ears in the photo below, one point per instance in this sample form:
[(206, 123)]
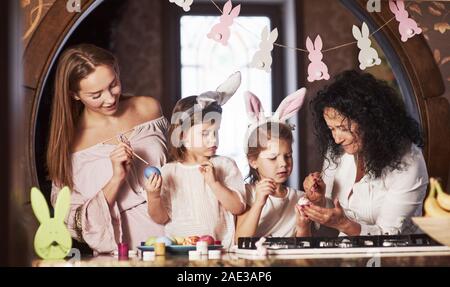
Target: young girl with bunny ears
[(272, 206), (199, 192)]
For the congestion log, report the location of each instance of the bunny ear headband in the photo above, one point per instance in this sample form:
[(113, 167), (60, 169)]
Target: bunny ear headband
[(287, 109), (223, 93), (221, 96)]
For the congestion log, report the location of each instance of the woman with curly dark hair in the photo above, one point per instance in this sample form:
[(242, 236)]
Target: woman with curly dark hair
[(374, 171)]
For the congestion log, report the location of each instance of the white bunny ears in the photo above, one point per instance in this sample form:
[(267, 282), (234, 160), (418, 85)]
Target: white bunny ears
[(286, 110), (221, 96), (223, 93)]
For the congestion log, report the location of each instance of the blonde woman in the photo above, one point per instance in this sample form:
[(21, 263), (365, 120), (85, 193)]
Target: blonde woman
[(89, 113)]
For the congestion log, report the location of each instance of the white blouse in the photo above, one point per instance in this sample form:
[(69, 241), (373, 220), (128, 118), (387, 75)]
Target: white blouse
[(278, 216), (384, 205)]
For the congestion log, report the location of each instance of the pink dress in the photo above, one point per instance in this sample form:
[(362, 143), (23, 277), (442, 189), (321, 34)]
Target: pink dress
[(90, 219)]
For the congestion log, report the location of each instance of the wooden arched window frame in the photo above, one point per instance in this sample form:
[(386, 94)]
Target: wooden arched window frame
[(413, 65)]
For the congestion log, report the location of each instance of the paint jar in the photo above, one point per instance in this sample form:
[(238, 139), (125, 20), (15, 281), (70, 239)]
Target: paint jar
[(123, 251), (160, 249)]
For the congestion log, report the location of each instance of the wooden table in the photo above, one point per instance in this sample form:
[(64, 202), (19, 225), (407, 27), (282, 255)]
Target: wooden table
[(233, 260)]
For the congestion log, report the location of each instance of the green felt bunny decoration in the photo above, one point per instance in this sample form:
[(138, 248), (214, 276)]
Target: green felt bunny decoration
[(52, 239)]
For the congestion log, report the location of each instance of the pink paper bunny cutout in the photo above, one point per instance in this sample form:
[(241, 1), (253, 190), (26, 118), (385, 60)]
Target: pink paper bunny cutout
[(407, 27), (317, 70), (221, 31)]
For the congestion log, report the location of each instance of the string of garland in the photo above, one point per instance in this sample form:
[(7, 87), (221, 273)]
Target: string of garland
[(317, 69)]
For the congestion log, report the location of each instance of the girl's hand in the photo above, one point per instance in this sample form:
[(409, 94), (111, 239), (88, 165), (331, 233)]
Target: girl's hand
[(314, 188), (331, 217), (302, 223), (208, 172), (121, 158), (153, 185), (264, 188)]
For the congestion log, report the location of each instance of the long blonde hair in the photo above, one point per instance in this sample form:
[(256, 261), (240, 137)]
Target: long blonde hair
[(75, 64)]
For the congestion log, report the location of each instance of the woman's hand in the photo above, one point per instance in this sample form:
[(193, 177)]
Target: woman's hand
[(263, 189), (302, 223), (153, 185), (314, 188), (208, 172), (121, 158), (331, 217)]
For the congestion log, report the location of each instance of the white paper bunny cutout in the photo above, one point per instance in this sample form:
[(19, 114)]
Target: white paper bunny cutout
[(221, 31), (185, 4), (286, 110), (407, 27), (368, 56), (263, 59), (317, 69), (261, 249)]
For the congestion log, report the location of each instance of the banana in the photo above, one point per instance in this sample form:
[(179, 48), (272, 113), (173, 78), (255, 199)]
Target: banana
[(431, 206), (443, 198)]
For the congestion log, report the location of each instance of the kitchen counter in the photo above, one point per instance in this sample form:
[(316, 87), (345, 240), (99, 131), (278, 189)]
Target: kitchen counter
[(234, 260)]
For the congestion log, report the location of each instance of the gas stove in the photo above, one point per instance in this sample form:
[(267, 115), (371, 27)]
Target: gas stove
[(349, 245)]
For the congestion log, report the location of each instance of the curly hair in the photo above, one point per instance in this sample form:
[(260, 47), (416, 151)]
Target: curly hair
[(384, 126)]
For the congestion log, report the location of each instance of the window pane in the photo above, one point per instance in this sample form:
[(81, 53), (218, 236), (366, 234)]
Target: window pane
[(205, 64)]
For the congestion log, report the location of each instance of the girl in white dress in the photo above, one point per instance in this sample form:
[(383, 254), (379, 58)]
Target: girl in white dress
[(200, 192), (272, 207)]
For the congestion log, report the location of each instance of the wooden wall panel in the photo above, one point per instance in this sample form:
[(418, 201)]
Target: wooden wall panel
[(438, 137)]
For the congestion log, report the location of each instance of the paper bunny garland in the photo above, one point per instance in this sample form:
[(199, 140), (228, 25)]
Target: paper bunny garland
[(286, 110), (52, 239), (317, 70), (407, 27), (263, 59), (185, 4), (221, 31), (368, 56)]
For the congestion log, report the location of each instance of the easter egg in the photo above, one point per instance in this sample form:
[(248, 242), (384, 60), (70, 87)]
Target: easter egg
[(178, 240), (303, 201), (150, 241), (191, 240), (164, 239), (149, 170), (207, 238)]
